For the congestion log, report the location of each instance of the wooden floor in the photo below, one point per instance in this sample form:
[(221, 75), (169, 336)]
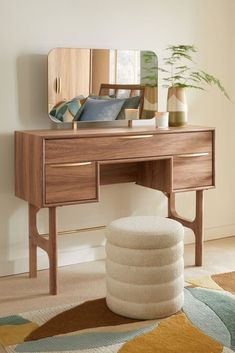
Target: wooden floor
[(87, 280)]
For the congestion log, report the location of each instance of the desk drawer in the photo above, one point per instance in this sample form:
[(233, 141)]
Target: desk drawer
[(192, 171), (68, 183), (127, 146)]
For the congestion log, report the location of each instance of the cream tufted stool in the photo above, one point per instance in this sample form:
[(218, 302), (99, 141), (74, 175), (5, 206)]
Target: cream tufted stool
[(144, 267)]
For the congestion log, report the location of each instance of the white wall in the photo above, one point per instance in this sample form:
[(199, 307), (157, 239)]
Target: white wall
[(30, 28)]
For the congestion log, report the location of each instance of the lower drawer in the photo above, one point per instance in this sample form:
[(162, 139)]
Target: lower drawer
[(192, 171), (70, 182)]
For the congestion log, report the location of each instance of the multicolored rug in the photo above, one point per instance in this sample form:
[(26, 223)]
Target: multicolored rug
[(205, 325)]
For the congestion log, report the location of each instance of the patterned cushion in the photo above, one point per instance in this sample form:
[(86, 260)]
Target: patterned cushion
[(67, 110)]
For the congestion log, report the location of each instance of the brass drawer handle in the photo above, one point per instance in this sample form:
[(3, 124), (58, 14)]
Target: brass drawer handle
[(61, 165), (136, 137), (189, 155)]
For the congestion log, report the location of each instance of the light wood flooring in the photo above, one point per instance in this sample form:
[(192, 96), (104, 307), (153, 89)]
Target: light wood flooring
[(87, 280)]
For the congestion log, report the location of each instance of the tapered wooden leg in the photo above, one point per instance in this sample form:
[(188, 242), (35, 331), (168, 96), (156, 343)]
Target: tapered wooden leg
[(196, 225), (52, 253), (32, 244), (47, 244), (199, 228)]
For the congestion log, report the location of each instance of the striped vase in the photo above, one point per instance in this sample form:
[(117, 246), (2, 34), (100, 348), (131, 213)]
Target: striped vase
[(177, 106)]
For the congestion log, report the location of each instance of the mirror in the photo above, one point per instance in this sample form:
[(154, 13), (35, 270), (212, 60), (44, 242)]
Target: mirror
[(101, 84)]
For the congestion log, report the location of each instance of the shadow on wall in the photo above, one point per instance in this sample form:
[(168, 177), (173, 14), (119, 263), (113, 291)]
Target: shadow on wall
[(10, 206), (32, 112), (32, 90)]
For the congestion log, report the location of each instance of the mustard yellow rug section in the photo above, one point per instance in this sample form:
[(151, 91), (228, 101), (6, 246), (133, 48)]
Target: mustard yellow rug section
[(205, 282), (175, 334), (13, 334)]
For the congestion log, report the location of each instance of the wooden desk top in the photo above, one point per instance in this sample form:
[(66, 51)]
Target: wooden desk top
[(87, 132)]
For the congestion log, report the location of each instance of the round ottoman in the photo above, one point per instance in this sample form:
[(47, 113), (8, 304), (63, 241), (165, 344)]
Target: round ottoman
[(144, 267)]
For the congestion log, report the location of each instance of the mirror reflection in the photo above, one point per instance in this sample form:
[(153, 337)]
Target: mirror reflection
[(101, 84)]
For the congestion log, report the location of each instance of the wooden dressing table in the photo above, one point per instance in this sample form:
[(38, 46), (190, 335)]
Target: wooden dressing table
[(64, 167)]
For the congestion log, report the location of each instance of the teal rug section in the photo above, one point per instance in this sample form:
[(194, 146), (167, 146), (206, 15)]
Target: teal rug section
[(222, 304), (202, 316), (13, 320), (81, 341)]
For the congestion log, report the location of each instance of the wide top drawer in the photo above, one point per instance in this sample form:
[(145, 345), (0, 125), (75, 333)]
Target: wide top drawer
[(128, 146)]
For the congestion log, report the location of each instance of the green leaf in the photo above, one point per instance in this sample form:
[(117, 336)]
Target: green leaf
[(179, 74), (185, 85)]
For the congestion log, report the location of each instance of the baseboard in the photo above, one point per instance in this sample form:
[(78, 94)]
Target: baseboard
[(65, 258), (74, 254), (211, 233)]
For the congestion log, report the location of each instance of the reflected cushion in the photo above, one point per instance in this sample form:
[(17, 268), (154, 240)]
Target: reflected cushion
[(100, 109), (130, 103), (66, 111)]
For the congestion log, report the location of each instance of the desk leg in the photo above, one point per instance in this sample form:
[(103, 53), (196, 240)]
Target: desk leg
[(196, 225), (33, 210), (199, 227), (48, 244), (52, 251)]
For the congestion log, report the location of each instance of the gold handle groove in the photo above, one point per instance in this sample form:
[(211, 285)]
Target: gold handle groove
[(58, 84), (61, 165), (136, 137), (59, 79), (189, 155)]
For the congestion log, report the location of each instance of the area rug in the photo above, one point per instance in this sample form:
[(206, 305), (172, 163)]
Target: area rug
[(205, 325)]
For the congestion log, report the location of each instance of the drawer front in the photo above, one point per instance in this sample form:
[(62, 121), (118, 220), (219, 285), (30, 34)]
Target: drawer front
[(130, 146), (68, 183), (192, 171)]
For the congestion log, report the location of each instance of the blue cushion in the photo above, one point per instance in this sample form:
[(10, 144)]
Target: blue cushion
[(100, 109), (66, 111)]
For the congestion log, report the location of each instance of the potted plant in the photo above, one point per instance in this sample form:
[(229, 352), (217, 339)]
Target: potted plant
[(179, 73)]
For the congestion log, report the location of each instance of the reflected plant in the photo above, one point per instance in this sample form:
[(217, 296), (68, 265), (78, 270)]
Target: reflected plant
[(149, 67)]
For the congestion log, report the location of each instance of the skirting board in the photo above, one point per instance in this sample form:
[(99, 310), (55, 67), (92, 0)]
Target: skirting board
[(86, 254), (65, 258)]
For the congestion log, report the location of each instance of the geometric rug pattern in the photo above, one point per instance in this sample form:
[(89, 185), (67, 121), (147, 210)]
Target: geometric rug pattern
[(205, 325)]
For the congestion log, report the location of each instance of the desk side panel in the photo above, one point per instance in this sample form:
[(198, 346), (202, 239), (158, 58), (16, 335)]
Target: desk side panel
[(29, 168)]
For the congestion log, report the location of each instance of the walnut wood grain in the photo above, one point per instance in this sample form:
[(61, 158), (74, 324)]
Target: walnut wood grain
[(29, 154), (192, 172), (71, 183), (197, 225), (49, 245), (118, 173), (114, 131), (52, 253), (156, 174), (74, 150), (33, 232), (55, 168)]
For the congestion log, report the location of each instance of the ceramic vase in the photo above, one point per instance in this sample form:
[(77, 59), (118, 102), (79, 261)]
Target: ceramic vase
[(177, 106)]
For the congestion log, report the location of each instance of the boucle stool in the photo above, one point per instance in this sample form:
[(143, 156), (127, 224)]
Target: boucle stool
[(144, 267)]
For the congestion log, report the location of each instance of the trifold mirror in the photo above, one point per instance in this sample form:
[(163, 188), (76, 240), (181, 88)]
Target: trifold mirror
[(101, 84)]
